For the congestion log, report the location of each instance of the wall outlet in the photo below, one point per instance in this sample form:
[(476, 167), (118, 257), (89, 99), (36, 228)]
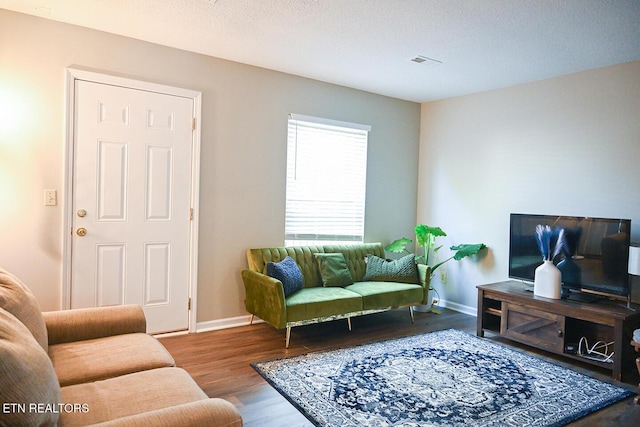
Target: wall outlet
[(443, 277), (50, 198)]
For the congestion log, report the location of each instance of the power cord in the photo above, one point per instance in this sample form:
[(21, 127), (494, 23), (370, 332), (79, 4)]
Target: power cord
[(593, 352)]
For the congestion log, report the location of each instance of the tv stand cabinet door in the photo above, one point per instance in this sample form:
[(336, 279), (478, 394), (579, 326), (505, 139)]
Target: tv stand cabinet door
[(533, 327)]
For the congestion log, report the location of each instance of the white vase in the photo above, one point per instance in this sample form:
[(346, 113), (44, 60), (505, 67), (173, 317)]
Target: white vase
[(547, 281)]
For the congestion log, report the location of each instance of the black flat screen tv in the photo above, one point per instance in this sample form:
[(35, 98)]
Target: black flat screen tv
[(594, 260)]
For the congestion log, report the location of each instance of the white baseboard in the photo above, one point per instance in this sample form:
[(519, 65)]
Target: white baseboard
[(465, 309), (170, 334), (230, 322)]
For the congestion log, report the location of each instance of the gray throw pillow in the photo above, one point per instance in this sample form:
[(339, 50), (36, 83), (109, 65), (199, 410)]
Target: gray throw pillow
[(402, 270)]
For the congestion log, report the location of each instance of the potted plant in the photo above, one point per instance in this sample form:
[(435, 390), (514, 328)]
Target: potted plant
[(426, 239)]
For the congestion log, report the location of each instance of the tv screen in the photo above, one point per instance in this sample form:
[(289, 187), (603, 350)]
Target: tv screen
[(595, 255)]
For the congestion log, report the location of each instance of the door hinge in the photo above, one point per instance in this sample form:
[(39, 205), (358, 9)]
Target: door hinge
[(189, 304), (193, 123), (190, 214)]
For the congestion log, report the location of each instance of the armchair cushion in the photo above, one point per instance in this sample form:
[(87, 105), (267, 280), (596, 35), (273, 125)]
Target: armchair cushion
[(26, 375), (402, 270), (129, 395), (102, 358), (18, 300), (193, 414), (333, 269)]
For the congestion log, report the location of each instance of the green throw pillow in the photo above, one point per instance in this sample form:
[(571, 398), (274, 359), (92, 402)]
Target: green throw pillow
[(402, 270), (333, 269)]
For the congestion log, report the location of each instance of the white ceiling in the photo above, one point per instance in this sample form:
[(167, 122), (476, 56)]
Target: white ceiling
[(368, 44)]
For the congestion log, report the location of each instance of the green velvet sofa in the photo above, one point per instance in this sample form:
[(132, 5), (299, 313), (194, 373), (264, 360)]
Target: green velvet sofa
[(314, 303)]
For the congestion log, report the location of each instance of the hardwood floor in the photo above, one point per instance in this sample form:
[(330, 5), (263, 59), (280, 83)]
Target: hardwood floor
[(219, 361)]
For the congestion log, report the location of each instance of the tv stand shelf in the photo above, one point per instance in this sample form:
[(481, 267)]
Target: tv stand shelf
[(508, 309)]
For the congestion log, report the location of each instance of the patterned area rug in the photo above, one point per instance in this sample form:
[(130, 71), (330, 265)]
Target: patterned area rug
[(444, 378)]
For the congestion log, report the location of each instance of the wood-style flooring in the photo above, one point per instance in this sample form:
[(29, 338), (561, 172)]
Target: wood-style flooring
[(219, 361)]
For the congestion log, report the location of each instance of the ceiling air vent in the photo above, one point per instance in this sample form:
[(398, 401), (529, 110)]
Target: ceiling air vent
[(420, 59)]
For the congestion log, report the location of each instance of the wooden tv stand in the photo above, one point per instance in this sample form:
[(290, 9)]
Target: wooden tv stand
[(508, 309)]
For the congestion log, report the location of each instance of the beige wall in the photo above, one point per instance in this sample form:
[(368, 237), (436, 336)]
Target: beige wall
[(563, 146), (243, 150)]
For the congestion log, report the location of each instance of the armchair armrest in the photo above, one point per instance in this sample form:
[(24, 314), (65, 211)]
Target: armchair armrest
[(89, 323), (265, 298), (201, 413)]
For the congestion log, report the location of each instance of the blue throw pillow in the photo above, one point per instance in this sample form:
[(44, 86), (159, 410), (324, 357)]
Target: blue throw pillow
[(288, 272)]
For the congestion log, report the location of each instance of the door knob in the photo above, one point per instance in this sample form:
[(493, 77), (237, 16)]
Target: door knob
[(81, 213), (81, 232)]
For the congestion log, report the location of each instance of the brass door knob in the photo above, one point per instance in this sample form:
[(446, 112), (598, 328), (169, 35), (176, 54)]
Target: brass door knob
[(81, 232)]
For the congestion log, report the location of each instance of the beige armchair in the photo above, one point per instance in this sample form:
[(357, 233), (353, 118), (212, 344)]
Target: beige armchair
[(92, 366)]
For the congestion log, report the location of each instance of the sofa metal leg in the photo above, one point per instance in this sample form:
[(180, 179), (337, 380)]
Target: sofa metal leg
[(251, 320), (288, 336), (411, 313), (349, 323)]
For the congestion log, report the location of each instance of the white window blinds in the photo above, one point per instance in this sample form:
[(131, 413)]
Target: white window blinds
[(326, 181)]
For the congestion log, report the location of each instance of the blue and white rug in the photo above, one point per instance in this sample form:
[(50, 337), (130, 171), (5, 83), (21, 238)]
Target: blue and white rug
[(444, 378)]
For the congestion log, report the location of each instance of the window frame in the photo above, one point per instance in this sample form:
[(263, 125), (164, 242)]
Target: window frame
[(339, 213)]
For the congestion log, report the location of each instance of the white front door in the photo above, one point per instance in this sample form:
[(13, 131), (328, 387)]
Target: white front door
[(132, 202)]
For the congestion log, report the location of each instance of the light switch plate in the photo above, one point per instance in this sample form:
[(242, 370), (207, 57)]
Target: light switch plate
[(50, 198)]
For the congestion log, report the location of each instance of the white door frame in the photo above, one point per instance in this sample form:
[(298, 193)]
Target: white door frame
[(74, 74)]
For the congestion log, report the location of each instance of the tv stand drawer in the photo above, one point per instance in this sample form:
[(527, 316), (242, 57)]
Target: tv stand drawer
[(534, 327)]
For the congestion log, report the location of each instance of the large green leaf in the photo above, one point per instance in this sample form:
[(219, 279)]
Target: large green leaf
[(426, 236), (398, 246), (462, 251), (465, 250)]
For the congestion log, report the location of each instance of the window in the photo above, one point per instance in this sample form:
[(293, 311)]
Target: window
[(326, 181)]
